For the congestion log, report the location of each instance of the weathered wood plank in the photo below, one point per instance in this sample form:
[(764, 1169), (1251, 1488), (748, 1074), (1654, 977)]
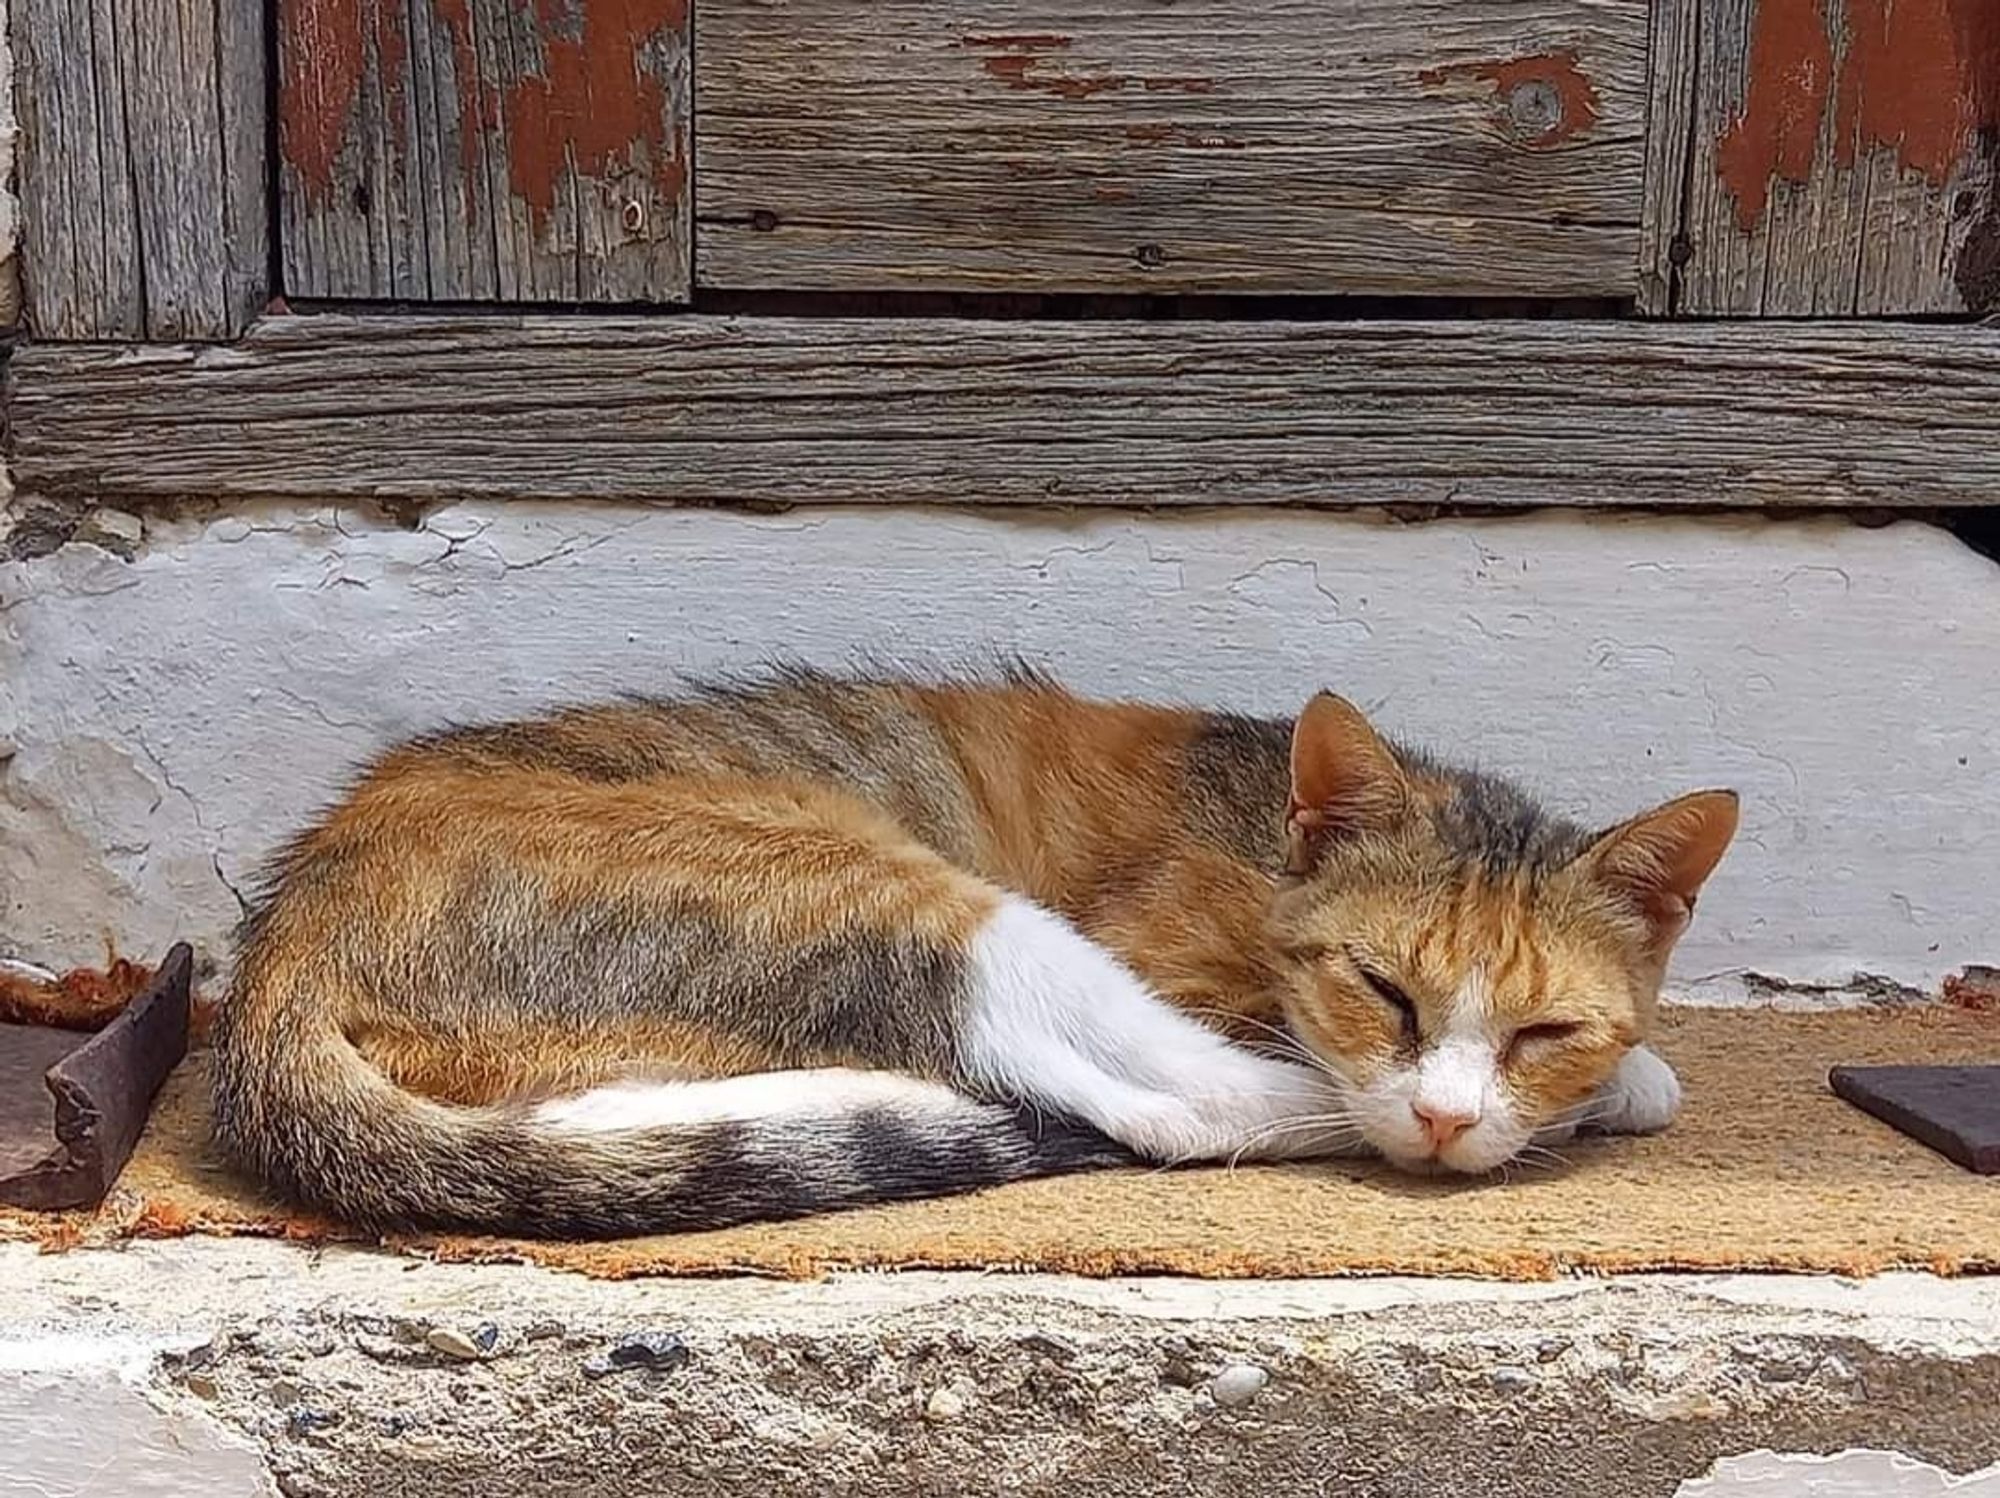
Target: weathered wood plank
[(77, 217), (1842, 158), (1671, 78), (481, 150), (795, 410), (1454, 147), (142, 167)]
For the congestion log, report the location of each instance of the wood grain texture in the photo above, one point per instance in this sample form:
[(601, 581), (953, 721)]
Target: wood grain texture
[(142, 167), (483, 150), (1836, 158), (1674, 67), (708, 410), (1453, 147)]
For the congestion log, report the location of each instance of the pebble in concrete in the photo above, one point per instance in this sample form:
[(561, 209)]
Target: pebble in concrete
[(1238, 1384), (943, 1405), (304, 1420), (656, 1352), (1511, 1380), (117, 531), (451, 1343)]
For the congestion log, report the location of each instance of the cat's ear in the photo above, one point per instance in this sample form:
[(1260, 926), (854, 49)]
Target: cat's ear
[(1661, 858), (1345, 780)]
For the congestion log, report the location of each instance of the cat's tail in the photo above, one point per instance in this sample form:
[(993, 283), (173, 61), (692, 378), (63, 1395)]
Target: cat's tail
[(316, 1121)]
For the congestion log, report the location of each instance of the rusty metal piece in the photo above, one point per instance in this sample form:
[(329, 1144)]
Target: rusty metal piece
[(73, 1105)]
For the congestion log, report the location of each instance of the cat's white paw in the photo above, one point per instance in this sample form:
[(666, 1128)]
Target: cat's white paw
[(1642, 1097)]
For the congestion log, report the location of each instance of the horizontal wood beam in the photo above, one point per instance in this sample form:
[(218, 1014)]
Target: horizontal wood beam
[(850, 410), (1431, 147)]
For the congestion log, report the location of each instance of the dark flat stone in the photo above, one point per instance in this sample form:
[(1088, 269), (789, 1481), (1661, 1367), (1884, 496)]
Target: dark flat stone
[(1953, 1109)]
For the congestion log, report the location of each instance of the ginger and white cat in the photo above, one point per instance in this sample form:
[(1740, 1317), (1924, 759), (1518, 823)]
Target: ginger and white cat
[(806, 943)]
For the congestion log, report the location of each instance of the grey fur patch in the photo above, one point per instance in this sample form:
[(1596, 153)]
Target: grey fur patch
[(500, 949), (1238, 784), (1239, 778), (1492, 822)]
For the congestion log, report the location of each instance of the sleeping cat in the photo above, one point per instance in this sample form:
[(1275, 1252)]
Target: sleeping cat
[(775, 948)]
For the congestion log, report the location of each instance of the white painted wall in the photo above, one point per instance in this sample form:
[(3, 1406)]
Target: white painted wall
[(172, 717)]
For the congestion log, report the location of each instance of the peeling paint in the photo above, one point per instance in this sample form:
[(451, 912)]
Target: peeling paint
[(1021, 62), (600, 108), (1790, 74), (168, 1360), (1545, 99), (594, 105), (1977, 987), (1919, 79), (1859, 1472), (1012, 69), (325, 47)]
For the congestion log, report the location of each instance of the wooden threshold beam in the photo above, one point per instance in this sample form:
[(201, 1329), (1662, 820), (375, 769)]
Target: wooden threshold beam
[(848, 410)]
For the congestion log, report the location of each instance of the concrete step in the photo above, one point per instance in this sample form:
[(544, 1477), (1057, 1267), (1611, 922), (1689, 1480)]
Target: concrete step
[(218, 1368)]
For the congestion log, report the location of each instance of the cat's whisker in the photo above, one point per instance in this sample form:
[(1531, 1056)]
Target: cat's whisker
[(1311, 1120), (1542, 1155), (1283, 1039), (1597, 1112), (1340, 1132)]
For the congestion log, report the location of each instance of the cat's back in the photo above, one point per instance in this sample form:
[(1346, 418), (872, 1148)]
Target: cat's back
[(791, 724), (895, 746)]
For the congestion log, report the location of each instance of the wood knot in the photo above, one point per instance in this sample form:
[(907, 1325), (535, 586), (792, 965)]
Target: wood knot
[(1534, 108)]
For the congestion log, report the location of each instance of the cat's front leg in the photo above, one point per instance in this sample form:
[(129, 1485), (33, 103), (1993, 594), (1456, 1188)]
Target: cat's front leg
[(1056, 1020), (1642, 1097)]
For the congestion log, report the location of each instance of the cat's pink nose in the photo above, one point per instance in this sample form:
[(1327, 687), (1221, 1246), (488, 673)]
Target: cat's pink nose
[(1442, 1122)]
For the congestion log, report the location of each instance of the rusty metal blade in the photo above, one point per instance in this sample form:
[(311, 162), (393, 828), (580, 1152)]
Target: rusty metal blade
[(72, 1106)]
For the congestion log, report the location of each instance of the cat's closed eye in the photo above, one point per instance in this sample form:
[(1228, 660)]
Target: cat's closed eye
[(1546, 1035), (1387, 991)]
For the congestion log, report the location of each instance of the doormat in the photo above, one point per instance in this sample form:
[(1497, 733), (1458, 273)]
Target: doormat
[(1766, 1170)]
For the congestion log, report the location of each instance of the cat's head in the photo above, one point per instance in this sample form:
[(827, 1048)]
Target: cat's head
[(1473, 967)]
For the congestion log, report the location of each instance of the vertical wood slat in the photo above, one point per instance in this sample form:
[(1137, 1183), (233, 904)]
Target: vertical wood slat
[(485, 150), (142, 167), (1825, 158)]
